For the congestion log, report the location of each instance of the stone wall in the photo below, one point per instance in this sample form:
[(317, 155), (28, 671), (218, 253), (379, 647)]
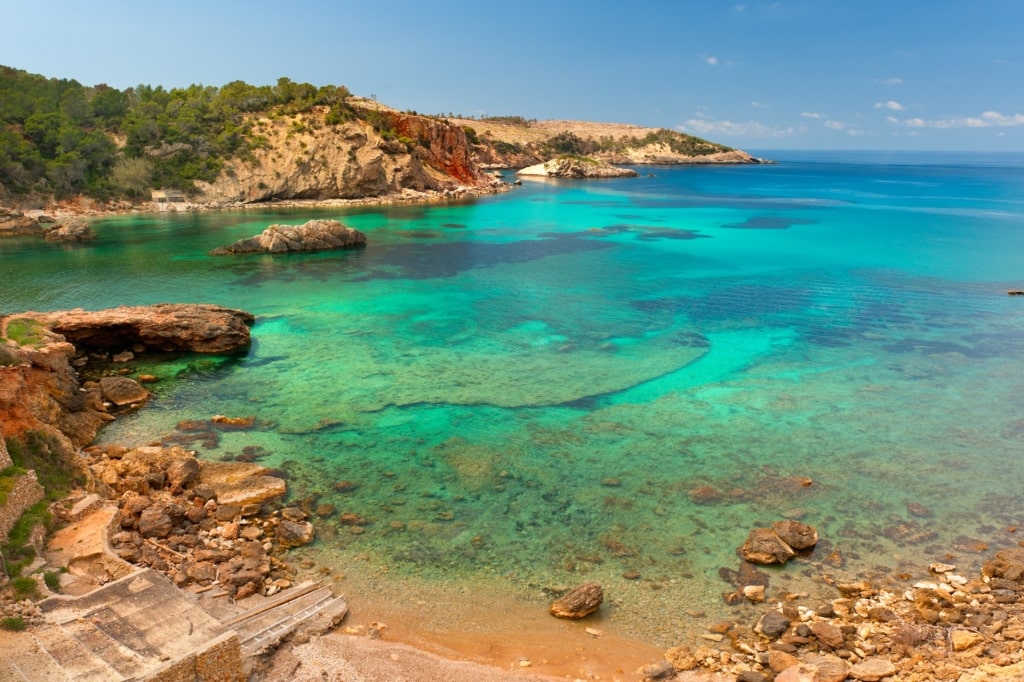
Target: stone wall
[(220, 661), (5, 457), (26, 492)]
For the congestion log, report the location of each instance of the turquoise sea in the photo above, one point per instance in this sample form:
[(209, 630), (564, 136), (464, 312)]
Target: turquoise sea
[(586, 380)]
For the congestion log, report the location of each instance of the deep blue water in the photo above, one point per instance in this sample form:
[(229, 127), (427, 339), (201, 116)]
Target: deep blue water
[(575, 380)]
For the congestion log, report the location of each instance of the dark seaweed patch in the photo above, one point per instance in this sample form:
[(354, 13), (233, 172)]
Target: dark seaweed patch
[(769, 223), (419, 234)]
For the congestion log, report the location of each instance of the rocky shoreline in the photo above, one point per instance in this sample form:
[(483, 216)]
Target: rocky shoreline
[(23, 222)]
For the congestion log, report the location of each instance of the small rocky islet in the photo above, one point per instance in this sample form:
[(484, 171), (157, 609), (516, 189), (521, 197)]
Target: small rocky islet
[(314, 235)]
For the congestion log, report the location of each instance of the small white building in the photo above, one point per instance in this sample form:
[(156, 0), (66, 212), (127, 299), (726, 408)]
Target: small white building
[(170, 200)]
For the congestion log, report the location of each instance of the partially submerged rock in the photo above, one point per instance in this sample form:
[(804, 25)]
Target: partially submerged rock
[(578, 603), (71, 231), (15, 223), (123, 391), (315, 235), (577, 167), (778, 544)]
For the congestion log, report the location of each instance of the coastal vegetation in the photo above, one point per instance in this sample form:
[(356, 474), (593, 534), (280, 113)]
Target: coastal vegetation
[(38, 451), (25, 332), (8, 477), (18, 552), (60, 139)]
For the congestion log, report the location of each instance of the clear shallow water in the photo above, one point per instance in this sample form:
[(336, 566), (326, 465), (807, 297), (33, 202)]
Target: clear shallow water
[(573, 381)]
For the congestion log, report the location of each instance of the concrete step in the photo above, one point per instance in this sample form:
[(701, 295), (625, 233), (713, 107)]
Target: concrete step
[(77, 663), (266, 626), (115, 654)]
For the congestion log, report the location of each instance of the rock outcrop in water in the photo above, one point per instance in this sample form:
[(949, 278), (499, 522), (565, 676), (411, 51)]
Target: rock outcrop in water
[(190, 327), (778, 544), (71, 231), (315, 235), (577, 167), (14, 223)]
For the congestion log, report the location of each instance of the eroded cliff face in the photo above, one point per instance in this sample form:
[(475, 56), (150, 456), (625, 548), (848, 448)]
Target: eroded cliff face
[(306, 157), (41, 394)]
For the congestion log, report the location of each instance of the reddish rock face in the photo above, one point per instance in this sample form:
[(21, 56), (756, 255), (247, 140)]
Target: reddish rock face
[(443, 146)]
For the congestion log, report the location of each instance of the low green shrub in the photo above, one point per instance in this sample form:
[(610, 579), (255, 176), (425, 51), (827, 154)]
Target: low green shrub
[(52, 581), (13, 624), (25, 587), (26, 332)]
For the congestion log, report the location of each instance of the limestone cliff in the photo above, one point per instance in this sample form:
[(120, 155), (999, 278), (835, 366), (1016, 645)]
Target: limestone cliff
[(382, 152), (513, 142)]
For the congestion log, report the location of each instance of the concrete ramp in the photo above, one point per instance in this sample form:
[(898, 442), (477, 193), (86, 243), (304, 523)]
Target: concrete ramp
[(309, 608), (134, 628)]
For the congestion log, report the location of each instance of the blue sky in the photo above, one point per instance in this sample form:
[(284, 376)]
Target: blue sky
[(802, 74)]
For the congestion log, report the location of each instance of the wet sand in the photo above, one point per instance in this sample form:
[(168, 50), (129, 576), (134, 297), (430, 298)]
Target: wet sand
[(509, 631)]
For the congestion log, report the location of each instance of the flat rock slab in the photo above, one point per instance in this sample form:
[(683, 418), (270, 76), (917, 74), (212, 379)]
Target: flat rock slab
[(872, 670), (198, 328), (241, 483)]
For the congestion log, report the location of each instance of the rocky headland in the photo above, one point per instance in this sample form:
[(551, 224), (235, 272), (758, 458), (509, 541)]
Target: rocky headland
[(387, 153), (371, 153), (314, 235)]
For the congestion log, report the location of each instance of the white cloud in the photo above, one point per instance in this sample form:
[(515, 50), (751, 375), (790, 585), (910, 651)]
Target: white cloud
[(895, 80), (835, 125), (891, 105), (812, 114), (759, 105), (698, 126), (988, 119), (711, 60)]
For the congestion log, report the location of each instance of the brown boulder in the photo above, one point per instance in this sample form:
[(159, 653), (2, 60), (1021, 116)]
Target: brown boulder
[(828, 634), (135, 505), (578, 603), (122, 391), (764, 546), (795, 534), (183, 472), (238, 484), (292, 534), (155, 522), (872, 669), (1007, 564), (830, 668)]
